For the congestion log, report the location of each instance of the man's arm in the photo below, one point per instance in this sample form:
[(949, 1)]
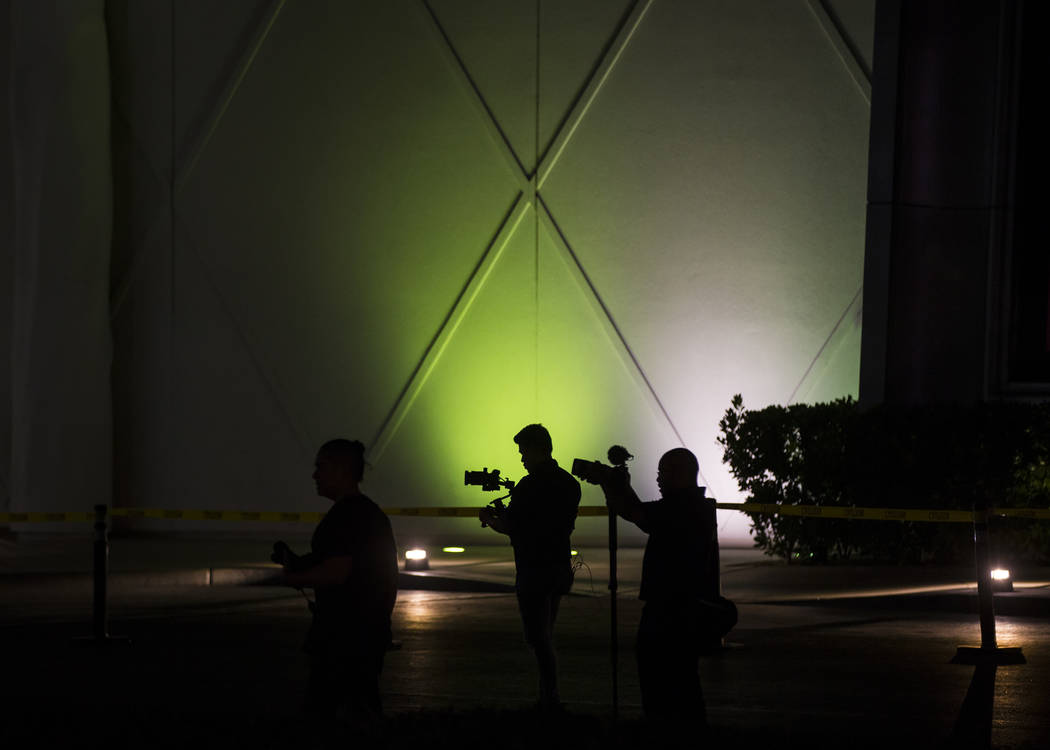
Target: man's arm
[(623, 501), (330, 572)]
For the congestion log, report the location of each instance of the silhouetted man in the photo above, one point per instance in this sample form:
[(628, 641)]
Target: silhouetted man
[(539, 521), (679, 584), (352, 568)]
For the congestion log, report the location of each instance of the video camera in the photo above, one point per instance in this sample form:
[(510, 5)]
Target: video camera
[(598, 473), (489, 481)]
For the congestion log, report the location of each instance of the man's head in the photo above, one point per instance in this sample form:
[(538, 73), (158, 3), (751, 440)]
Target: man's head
[(339, 467), (534, 445), (677, 471)]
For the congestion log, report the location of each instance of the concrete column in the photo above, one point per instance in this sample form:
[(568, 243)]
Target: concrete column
[(937, 193), (61, 436)]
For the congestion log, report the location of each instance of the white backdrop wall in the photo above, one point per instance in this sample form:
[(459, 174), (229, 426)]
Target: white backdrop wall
[(353, 246), (59, 256), (7, 199)]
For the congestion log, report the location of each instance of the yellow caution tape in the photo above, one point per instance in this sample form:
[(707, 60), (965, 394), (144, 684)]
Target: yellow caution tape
[(46, 517), (1023, 512), (458, 512), (806, 511), (866, 514), (219, 515)]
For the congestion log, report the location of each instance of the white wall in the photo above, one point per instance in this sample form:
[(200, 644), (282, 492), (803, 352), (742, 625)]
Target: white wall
[(355, 250), (60, 413), (6, 255)]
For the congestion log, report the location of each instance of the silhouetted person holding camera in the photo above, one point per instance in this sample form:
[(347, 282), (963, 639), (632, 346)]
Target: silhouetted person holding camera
[(539, 520), (352, 568), (679, 587)]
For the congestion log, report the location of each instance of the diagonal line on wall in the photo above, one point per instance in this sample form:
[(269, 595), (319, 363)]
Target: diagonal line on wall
[(611, 55), (193, 150), (837, 331), (447, 330), (123, 286), (191, 154), (246, 342), (528, 196), (488, 116), (584, 280), (199, 143), (844, 46)]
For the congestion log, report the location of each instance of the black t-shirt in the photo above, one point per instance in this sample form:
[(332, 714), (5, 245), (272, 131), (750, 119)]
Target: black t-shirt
[(681, 556), (542, 515), (356, 526)]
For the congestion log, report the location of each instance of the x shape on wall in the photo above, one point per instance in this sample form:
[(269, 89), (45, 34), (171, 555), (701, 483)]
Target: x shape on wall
[(529, 196)]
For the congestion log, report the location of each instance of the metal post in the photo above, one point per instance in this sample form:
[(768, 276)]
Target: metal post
[(100, 574), (101, 571), (989, 651), (985, 598), (614, 641)]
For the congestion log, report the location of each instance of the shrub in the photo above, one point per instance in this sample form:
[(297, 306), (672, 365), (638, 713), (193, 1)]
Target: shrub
[(937, 457)]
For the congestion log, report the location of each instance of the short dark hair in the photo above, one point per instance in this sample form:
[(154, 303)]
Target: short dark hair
[(350, 453), (534, 436)]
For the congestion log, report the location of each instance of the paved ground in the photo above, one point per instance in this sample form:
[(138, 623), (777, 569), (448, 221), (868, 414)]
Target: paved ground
[(822, 657)]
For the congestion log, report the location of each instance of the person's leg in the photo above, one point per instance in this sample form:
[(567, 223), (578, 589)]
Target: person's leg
[(538, 610), (651, 680), (366, 669), (667, 654), (356, 667)]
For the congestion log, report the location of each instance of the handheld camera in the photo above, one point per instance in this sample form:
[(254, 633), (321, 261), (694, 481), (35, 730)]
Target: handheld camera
[(490, 481)]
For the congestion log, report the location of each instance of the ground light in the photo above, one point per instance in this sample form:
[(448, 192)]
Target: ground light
[(453, 550), (416, 559), (1001, 580)]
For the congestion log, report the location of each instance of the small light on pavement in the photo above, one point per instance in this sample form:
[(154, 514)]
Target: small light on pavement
[(416, 559), (1001, 580)]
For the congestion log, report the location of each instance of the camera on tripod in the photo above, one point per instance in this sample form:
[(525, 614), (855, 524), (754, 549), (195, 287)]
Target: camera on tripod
[(598, 473)]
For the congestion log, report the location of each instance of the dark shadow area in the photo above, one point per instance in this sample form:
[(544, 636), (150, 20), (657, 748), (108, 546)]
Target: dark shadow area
[(415, 582), (973, 729), (1006, 605), (484, 727)]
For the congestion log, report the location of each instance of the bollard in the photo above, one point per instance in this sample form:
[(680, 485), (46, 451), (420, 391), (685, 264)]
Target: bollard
[(99, 580), (100, 569), (985, 597), (989, 651)]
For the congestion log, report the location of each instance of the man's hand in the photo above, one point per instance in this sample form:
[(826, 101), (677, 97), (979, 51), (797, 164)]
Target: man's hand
[(330, 572), (282, 554), (490, 517)]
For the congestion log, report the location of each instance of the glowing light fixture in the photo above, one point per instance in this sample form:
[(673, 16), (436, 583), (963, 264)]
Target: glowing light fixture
[(416, 559), (574, 553), (1001, 580), (453, 550)]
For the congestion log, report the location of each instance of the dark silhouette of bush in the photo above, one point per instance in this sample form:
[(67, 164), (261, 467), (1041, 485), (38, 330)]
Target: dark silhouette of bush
[(940, 457)]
